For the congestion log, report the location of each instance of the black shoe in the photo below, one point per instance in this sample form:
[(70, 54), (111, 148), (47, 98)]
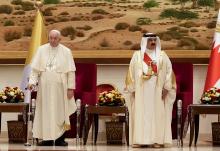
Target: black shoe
[(61, 143), (45, 143)]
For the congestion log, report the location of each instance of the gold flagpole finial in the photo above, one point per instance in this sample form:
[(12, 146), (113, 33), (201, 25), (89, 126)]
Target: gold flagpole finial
[(38, 4), (39, 34)]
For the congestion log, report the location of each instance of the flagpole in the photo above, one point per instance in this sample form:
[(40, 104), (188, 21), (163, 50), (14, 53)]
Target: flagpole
[(27, 122), (38, 5), (218, 3)]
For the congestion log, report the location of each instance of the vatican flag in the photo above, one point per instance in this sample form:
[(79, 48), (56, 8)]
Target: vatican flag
[(39, 37)]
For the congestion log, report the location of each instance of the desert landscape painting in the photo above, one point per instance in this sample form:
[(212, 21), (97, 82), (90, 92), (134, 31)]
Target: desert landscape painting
[(112, 24)]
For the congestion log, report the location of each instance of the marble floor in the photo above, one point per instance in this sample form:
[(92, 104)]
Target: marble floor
[(204, 144)]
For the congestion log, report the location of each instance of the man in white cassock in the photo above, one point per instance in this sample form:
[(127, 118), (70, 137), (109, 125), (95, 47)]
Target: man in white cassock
[(53, 71), (152, 91)]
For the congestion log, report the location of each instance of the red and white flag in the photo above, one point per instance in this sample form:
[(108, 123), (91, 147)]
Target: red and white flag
[(213, 73)]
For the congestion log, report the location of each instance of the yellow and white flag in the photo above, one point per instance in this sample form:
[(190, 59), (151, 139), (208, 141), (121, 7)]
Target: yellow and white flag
[(39, 37)]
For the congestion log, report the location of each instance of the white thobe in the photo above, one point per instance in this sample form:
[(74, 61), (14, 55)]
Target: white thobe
[(150, 115), (52, 108)]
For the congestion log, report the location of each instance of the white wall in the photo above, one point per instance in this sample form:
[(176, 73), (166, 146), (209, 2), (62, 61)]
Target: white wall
[(10, 75), (199, 77)]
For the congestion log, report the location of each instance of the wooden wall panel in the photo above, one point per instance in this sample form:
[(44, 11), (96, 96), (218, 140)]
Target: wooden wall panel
[(112, 56)]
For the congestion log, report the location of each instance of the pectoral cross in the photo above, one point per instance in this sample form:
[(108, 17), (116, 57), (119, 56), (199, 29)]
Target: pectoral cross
[(50, 65)]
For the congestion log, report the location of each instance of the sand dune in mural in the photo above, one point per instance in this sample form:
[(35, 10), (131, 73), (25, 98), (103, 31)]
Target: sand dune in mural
[(88, 25)]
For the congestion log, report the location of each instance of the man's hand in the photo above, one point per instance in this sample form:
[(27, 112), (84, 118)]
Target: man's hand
[(70, 93), (30, 86), (164, 94)]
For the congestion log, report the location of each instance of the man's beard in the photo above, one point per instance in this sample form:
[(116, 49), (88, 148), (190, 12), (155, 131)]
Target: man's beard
[(153, 44)]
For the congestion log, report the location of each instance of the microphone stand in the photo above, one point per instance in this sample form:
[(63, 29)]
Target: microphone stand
[(31, 111), (28, 120), (179, 123), (78, 111)]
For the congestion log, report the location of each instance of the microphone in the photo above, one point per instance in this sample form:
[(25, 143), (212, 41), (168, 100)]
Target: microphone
[(179, 122), (78, 111)]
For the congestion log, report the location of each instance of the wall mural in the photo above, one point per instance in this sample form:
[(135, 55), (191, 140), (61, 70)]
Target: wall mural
[(112, 24)]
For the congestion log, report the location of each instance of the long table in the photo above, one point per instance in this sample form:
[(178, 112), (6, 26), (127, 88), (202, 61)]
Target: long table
[(193, 114)]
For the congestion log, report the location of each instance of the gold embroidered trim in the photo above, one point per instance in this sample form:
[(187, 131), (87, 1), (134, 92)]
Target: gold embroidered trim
[(67, 127), (173, 80), (128, 79)]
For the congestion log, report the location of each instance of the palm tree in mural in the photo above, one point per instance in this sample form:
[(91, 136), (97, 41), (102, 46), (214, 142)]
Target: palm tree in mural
[(149, 4), (182, 2), (216, 4), (206, 3), (194, 4)]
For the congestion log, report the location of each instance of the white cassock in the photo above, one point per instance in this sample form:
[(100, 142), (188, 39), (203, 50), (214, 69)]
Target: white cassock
[(53, 69), (149, 115)]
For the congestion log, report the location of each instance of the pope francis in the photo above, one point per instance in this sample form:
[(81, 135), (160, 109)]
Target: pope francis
[(53, 71)]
